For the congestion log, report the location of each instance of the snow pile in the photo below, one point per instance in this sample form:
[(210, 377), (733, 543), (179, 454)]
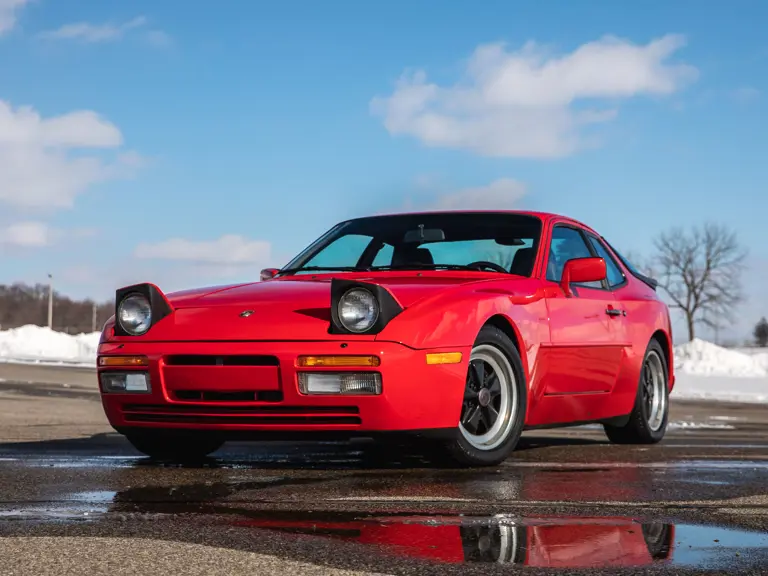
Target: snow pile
[(701, 358), (721, 389), (36, 343), (706, 371)]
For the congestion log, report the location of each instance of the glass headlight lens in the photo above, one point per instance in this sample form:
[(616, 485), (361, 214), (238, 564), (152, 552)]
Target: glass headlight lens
[(135, 314), (358, 310)]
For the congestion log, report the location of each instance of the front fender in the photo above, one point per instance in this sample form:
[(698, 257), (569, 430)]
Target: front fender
[(453, 319)]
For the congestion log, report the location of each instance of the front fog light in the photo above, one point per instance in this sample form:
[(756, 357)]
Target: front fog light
[(125, 382), (349, 383)]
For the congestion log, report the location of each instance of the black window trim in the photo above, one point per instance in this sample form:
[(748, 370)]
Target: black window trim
[(651, 282), (604, 284), (608, 251)]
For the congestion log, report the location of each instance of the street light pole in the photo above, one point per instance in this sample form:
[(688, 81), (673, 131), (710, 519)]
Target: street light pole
[(50, 301)]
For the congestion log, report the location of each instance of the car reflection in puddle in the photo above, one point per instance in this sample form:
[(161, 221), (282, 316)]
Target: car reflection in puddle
[(552, 542)]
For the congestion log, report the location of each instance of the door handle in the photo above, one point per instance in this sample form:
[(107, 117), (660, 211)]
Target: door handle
[(614, 312)]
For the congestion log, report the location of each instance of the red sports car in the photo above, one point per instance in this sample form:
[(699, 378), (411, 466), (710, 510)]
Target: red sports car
[(460, 329)]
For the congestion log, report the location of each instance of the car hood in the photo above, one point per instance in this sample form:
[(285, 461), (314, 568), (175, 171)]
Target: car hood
[(284, 309), (315, 293)]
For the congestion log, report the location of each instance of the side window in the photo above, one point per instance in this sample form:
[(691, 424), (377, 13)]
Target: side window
[(384, 256), (566, 244), (614, 273), (345, 251)]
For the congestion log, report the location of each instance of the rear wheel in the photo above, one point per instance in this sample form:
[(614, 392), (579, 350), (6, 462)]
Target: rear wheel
[(494, 403), (648, 420), (171, 446)]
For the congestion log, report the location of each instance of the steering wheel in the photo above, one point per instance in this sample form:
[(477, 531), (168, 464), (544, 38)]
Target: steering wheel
[(485, 264)]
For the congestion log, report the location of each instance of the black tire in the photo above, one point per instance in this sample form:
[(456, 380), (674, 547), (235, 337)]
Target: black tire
[(462, 452), (658, 539), (638, 429), (174, 447)]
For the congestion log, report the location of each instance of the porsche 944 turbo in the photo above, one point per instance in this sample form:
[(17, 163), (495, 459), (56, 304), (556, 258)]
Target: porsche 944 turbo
[(459, 329)]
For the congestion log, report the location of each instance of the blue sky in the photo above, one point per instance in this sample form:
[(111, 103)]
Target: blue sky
[(196, 146)]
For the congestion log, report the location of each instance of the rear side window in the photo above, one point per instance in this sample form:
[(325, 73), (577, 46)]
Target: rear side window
[(614, 274)]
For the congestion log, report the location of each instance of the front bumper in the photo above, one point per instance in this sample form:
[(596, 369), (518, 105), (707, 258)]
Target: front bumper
[(416, 396)]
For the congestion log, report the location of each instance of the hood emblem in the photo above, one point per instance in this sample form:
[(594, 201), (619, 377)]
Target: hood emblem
[(246, 313)]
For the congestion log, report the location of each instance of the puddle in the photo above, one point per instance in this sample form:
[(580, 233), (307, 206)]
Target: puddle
[(82, 462), (573, 542), (53, 513), (729, 418), (700, 446), (96, 496), (686, 425)]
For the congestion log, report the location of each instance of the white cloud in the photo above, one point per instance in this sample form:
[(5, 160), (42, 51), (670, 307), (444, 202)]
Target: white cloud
[(746, 94), (158, 38), (42, 164), (501, 194), (93, 33), (523, 103), (26, 235), (228, 250), (8, 14), (37, 234)]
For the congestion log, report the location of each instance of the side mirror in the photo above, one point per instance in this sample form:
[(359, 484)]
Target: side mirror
[(582, 270), (268, 273)]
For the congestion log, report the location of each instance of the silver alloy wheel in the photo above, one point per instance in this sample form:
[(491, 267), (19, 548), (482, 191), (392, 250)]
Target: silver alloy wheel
[(654, 390), (491, 401), (508, 544)]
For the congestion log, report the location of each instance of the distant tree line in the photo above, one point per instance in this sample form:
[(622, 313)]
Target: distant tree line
[(22, 304)]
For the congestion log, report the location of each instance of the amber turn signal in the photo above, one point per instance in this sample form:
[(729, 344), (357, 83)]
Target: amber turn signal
[(336, 361), (123, 361), (444, 358)]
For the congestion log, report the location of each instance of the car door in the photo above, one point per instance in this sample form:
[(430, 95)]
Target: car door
[(617, 282), (585, 349)]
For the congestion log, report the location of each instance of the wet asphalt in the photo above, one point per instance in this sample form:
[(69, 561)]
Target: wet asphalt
[(566, 502)]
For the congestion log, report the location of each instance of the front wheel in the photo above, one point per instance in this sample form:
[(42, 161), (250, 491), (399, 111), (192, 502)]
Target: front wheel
[(647, 422), (494, 403), (175, 447)]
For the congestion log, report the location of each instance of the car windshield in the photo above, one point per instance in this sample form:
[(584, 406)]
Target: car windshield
[(431, 241)]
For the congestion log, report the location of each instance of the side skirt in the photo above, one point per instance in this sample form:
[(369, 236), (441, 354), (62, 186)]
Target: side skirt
[(615, 421)]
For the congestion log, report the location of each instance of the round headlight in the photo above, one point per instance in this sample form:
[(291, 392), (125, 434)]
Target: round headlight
[(358, 310), (135, 314)]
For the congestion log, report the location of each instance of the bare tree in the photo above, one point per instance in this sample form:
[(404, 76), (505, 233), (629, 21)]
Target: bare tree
[(761, 333), (22, 304), (701, 273)]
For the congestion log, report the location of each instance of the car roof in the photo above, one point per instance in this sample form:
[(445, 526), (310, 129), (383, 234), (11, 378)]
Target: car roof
[(544, 216)]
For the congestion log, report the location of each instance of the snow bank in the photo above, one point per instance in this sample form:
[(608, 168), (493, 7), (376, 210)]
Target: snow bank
[(706, 371), (701, 358), (721, 388), (40, 344)]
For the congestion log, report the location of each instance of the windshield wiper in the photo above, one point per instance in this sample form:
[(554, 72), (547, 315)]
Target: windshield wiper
[(320, 269), (422, 267), (414, 266)]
